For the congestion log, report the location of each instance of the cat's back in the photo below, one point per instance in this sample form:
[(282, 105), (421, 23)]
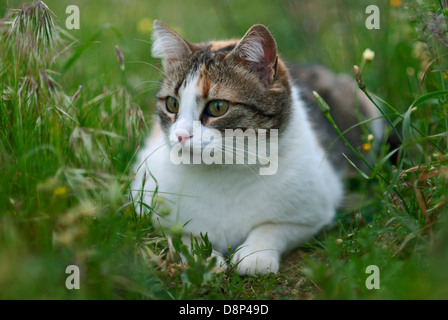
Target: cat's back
[(348, 107)]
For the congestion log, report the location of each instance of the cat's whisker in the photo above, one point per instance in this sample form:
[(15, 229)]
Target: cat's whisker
[(154, 151), (152, 191), (153, 84), (258, 156), (162, 72), (146, 89), (238, 157)]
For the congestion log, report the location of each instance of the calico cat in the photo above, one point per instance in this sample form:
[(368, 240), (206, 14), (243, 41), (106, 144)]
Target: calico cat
[(243, 84)]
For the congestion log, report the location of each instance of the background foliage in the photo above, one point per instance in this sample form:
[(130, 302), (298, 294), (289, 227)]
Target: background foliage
[(72, 115)]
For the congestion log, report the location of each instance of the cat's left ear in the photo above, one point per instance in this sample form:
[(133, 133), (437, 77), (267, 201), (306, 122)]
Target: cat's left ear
[(169, 45), (258, 50)]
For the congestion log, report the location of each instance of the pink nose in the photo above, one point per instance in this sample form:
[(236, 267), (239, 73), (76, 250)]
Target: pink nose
[(183, 136)]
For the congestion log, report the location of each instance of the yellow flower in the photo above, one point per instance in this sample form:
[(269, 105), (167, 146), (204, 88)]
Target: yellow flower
[(366, 147), (395, 3), (60, 191), (144, 25), (445, 76)]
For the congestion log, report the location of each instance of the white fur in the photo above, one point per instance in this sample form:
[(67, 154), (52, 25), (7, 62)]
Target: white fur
[(166, 44), (188, 111), (253, 49), (259, 216)]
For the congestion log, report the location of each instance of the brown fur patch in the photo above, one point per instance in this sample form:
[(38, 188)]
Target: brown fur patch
[(203, 81), (217, 45)]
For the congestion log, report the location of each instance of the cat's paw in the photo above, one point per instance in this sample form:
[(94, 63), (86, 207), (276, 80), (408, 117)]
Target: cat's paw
[(250, 262), (221, 263)]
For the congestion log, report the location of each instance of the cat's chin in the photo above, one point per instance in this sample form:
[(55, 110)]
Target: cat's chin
[(185, 154), (187, 149), (198, 157)]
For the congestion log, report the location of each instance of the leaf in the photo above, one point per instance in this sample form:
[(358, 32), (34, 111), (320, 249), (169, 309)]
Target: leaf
[(429, 96), (382, 162), (407, 126), (359, 170)]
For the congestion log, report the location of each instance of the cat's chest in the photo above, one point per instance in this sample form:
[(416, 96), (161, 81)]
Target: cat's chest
[(227, 188), (216, 196), (226, 205)]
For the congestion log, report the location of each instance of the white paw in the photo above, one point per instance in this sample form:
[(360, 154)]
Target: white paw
[(252, 262), (221, 264)]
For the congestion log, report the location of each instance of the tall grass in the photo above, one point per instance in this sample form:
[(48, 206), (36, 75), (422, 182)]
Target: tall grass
[(71, 124), (64, 160), (404, 230)]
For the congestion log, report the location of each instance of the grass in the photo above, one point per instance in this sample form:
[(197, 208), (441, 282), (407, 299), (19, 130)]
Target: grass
[(72, 115)]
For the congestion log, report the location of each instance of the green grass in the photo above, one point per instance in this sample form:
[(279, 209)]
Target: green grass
[(71, 121)]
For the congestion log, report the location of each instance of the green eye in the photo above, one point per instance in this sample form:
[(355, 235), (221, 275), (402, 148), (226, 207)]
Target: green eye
[(172, 105), (217, 108)]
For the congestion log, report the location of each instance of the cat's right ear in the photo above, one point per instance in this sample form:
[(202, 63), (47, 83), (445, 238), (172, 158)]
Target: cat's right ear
[(258, 50), (168, 45)]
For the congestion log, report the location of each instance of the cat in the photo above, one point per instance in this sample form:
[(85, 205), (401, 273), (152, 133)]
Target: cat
[(244, 84)]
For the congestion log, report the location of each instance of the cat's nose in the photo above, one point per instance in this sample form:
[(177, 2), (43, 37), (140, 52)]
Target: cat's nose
[(182, 136)]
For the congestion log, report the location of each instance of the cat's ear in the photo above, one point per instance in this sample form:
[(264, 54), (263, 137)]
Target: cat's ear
[(168, 45), (258, 50)]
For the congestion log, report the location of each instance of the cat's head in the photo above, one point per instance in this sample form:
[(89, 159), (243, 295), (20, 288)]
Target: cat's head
[(236, 84)]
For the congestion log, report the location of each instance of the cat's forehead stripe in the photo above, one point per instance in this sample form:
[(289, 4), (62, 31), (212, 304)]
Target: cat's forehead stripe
[(203, 82), (225, 45), (201, 63)]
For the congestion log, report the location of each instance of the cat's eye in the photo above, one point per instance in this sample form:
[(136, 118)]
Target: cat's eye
[(217, 108), (172, 105)]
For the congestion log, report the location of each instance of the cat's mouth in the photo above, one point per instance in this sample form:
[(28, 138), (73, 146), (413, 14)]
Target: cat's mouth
[(220, 152), (192, 148)]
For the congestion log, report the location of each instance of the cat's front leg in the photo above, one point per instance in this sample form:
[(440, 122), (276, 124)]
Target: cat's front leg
[(262, 250), (252, 260)]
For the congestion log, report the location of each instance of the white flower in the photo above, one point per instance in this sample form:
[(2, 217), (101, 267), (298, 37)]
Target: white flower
[(368, 55)]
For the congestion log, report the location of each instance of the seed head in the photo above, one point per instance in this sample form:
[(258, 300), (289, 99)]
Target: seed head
[(321, 102), (358, 78), (120, 57)]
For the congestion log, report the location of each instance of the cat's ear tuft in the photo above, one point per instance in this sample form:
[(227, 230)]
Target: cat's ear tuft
[(258, 50), (168, 45)]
